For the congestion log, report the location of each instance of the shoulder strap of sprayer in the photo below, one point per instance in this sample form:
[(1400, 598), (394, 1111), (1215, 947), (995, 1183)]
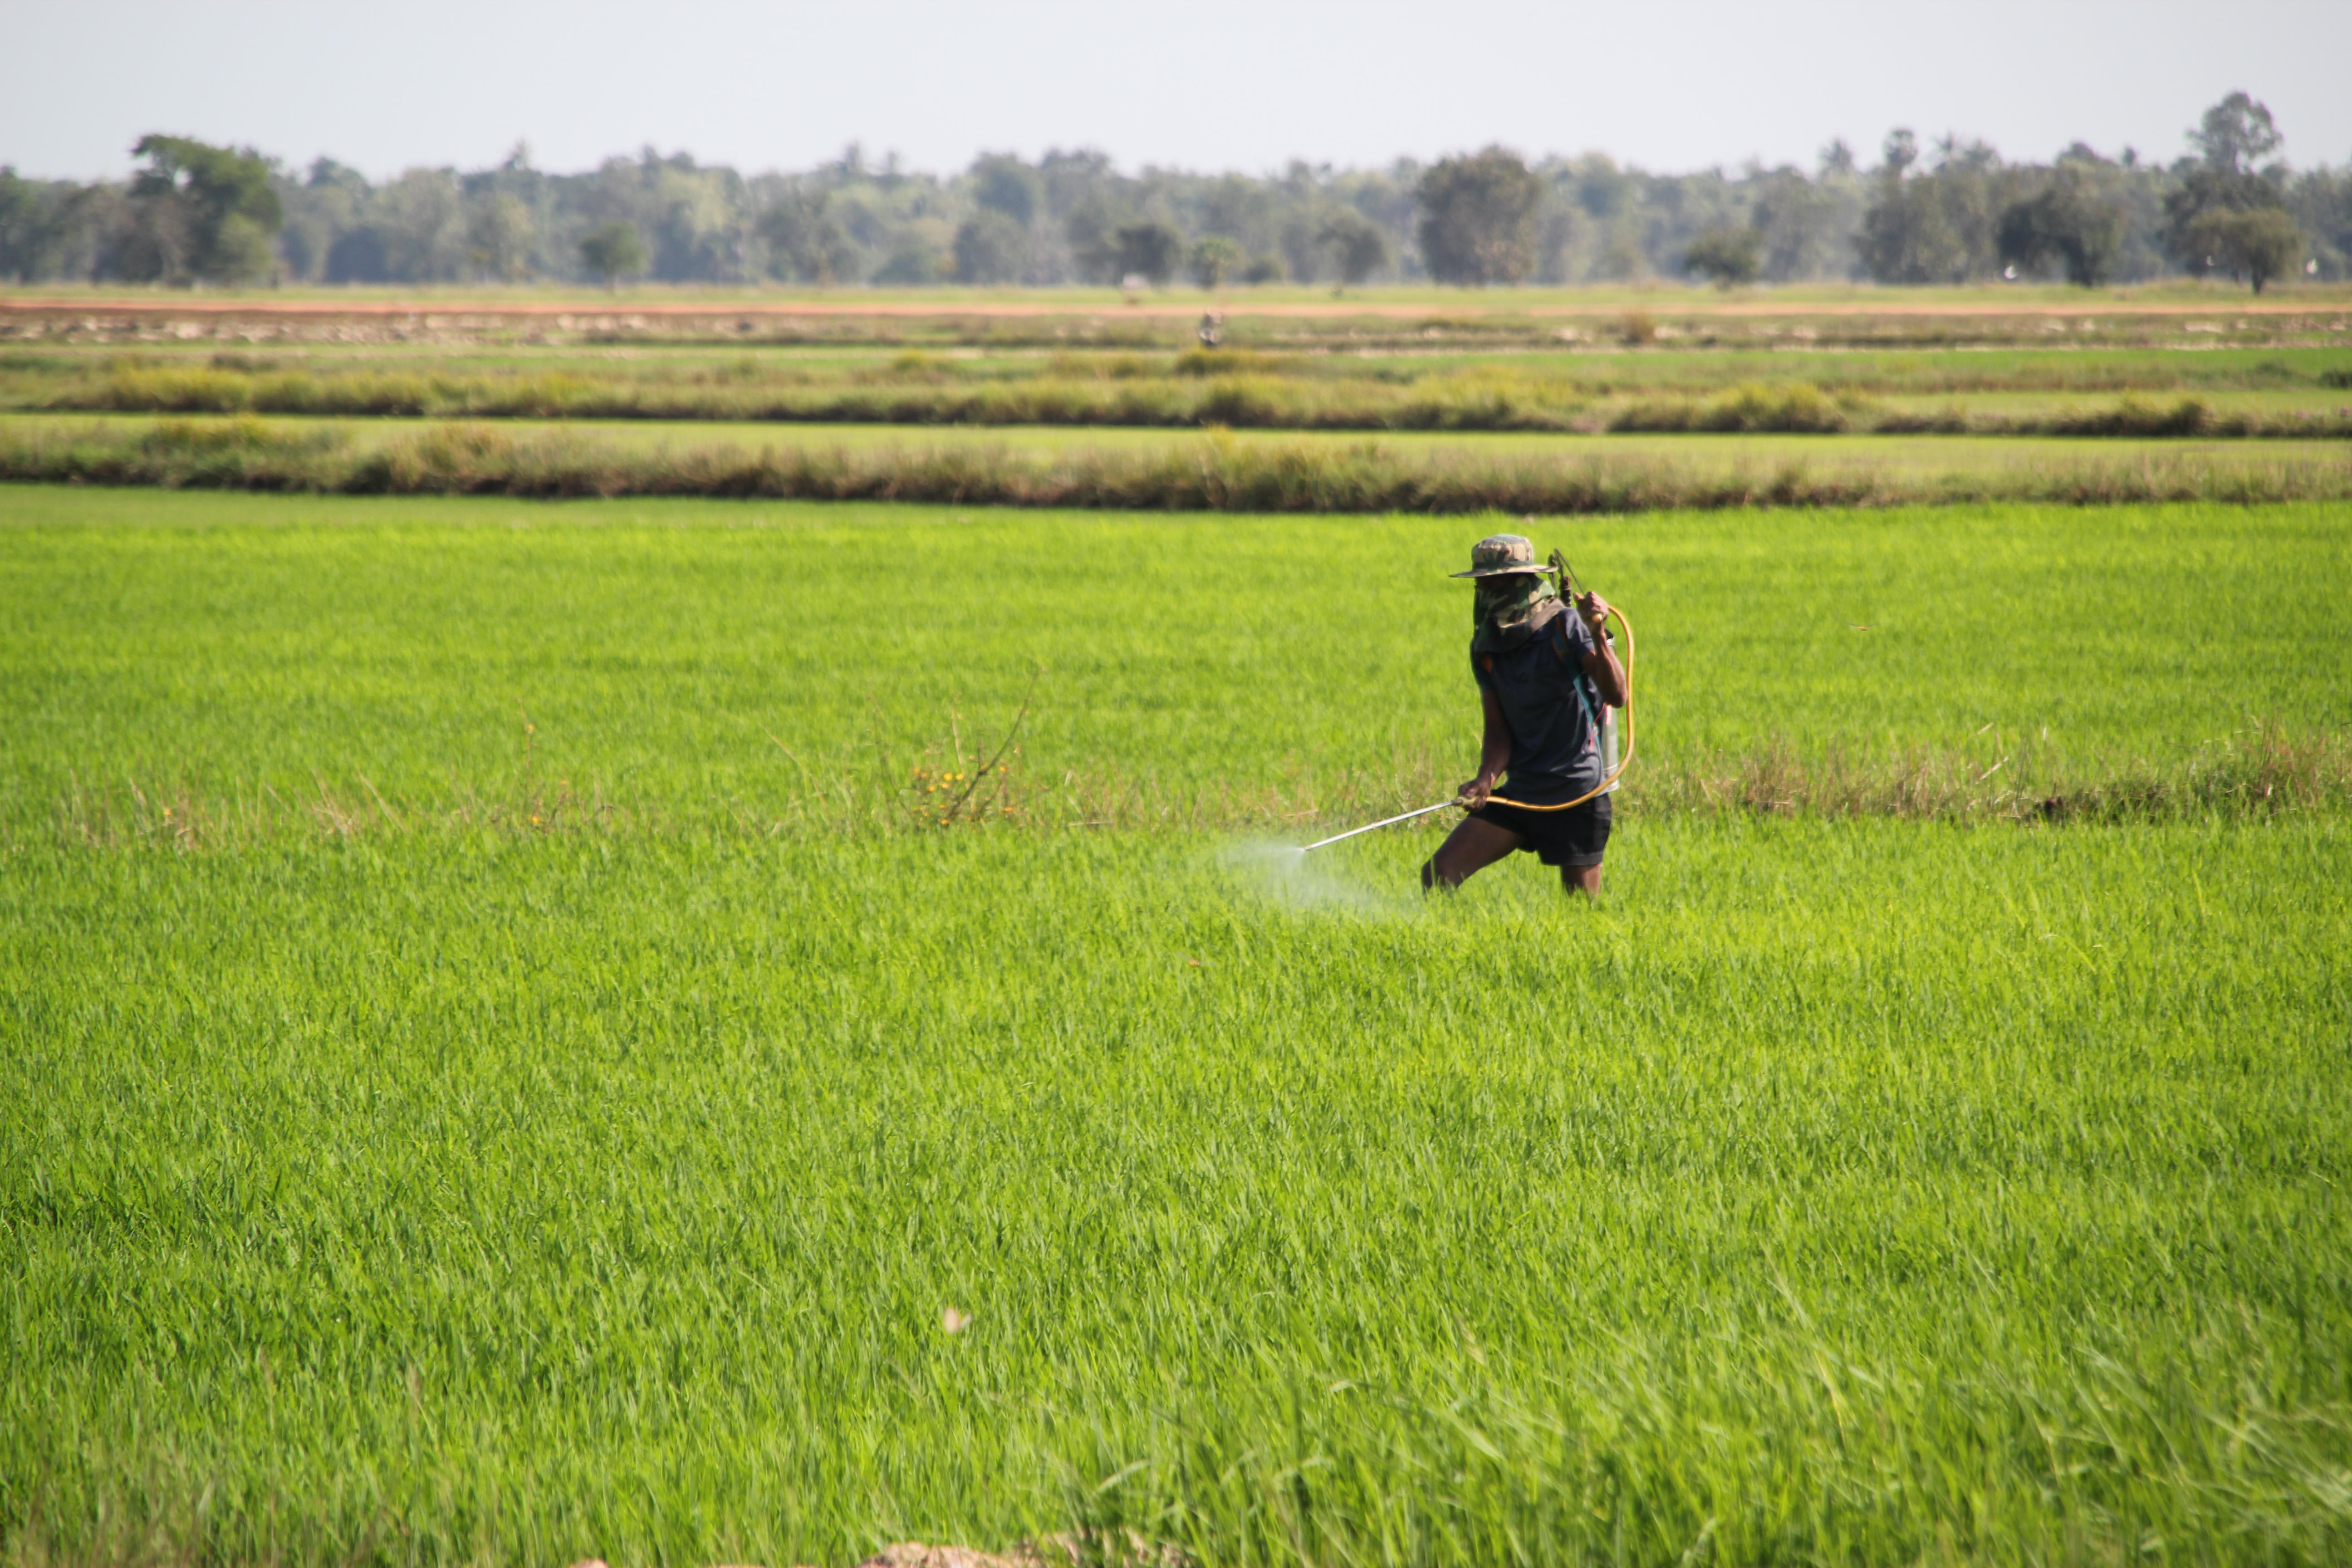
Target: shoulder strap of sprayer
[(1576, 675), (1565, 576)]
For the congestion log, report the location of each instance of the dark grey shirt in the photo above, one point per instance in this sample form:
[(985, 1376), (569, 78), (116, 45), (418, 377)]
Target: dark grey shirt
[(1550, 710)]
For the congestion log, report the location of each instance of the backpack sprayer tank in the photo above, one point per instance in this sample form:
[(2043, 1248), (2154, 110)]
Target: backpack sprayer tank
[(1609, 768)]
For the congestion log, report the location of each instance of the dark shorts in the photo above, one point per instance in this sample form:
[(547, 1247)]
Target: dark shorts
[(1575, 836)]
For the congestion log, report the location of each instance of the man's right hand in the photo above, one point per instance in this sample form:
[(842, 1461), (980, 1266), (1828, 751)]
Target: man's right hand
[(1473, 793)]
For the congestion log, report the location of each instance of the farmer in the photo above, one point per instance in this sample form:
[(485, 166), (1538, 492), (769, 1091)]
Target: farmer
[(1544, 674)]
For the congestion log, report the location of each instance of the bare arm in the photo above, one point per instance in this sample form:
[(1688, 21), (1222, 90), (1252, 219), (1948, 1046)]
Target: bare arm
[(1494, 750), (1601, 665)]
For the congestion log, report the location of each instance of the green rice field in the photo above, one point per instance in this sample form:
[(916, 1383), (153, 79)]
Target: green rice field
[(681, 1031), (696, 660)]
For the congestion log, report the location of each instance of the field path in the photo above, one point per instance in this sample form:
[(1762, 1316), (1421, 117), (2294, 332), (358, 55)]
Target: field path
[(1888, 305)]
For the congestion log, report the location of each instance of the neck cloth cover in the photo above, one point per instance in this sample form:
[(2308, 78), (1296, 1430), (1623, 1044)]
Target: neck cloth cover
[(1516, 600)]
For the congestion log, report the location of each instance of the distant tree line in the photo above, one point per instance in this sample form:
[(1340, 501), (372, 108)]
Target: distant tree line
[(1952, 211), (1959, 213)]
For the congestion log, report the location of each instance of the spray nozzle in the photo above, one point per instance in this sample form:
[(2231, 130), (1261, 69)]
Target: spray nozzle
[(1564, 575)]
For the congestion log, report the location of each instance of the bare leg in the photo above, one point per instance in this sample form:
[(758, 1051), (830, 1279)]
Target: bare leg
[(1470, 849), (1585, 879)]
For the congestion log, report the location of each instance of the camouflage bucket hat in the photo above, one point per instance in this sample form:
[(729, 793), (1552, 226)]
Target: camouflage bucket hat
[(1499, 555)]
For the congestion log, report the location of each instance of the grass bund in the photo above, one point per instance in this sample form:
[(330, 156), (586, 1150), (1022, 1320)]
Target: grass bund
[(1214, 472), (2178, 313), (2285, 392), (509, 1058)]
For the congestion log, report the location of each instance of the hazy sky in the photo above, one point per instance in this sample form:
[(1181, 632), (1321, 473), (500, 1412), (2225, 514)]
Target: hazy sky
[(1207, 85)]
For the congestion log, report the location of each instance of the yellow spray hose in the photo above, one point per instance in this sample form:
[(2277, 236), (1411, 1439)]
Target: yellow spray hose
[(1614, 773), (1604, 785)]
